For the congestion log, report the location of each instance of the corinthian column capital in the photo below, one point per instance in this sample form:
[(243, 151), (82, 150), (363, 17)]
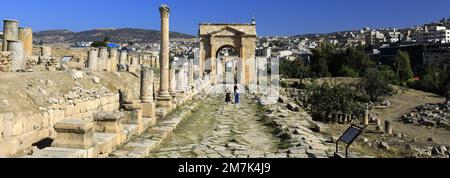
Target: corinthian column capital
[(164, 10)]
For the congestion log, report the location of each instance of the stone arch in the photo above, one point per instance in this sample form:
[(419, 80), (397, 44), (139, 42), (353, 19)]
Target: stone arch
[(227, 46), (241, 37)]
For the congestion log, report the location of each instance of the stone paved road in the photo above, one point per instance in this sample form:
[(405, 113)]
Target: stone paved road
[(218, 130)]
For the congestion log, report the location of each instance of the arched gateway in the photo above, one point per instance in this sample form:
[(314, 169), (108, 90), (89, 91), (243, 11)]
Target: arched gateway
[(216, 37)]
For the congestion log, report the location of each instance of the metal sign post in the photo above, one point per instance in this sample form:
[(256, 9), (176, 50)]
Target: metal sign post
[(349, 136)]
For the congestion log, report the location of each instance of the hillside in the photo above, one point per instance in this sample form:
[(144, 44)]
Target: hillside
[(116, 35)]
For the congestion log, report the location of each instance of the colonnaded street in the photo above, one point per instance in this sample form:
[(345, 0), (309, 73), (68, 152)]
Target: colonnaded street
[(217, 130)]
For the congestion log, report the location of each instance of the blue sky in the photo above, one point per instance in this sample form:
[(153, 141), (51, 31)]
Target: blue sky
[(274, 17)]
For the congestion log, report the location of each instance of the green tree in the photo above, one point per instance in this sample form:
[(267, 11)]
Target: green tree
[(329, 99), (402, 65), (375, 84), (294, 69), (319, 63), (106, 39), (99, 44), (358, 60)]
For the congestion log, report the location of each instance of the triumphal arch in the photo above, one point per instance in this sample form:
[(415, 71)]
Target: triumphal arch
[(216, 37)]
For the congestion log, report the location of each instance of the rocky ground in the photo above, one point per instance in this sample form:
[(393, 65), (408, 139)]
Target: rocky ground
[(431, 115)]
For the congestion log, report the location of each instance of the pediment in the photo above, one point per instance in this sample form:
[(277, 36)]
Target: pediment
[(227, 31)]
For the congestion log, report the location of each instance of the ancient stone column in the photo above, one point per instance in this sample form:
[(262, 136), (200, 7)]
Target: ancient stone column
[(148, 104), (366, 117), (10, 32), (191, 75), (46, 51), (92, 60), (123, 57), (388, 128), (113, 60), (172, 87), (18, 59), (146, 85), (135, 61), (102, 57), (181, 87), (123, 61), (164, 96), (26, 36)]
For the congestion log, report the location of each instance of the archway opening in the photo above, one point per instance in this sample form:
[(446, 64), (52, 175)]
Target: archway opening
[(227, 64)]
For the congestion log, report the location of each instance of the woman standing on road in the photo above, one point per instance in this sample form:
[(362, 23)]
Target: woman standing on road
[(236, 96)]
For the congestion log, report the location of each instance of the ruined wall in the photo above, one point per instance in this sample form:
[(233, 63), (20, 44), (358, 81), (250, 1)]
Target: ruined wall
[(80, 54), (31, 103)]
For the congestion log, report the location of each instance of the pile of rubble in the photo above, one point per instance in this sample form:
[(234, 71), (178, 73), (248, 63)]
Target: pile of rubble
[(432, 115), (78, 94), (51, 64), (5, 61)]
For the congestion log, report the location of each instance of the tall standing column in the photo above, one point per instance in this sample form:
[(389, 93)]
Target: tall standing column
[(164, 97), (26, 36), (92, 60), (191, 75), (10, 32)]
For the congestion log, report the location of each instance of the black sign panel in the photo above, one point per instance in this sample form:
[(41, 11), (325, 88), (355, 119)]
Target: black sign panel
[(351, 134)]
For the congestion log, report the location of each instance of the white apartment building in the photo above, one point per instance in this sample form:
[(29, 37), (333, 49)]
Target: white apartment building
[(373, 37), (284, 53), (436, 34)]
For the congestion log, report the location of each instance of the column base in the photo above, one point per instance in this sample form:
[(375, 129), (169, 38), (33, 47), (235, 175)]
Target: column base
[(165, 102), (181, 98), (149, 109)]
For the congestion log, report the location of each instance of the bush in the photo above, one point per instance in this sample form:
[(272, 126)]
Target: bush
[(328, 99), (347, 71)]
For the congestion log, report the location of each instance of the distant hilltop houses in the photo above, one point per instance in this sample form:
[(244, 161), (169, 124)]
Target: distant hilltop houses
[(427, 44)]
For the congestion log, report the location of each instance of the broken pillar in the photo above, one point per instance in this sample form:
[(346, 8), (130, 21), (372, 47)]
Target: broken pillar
[(181, 86), (26, 36), (112, 61), (366, 117), (46, 51), (134, 64), (10, 32), (74, 134), (92, 60), (18, 62), (123, 61), (172, 89), (191, 76), (133, 115), (388, 128), (102, 58), (148, 103)]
